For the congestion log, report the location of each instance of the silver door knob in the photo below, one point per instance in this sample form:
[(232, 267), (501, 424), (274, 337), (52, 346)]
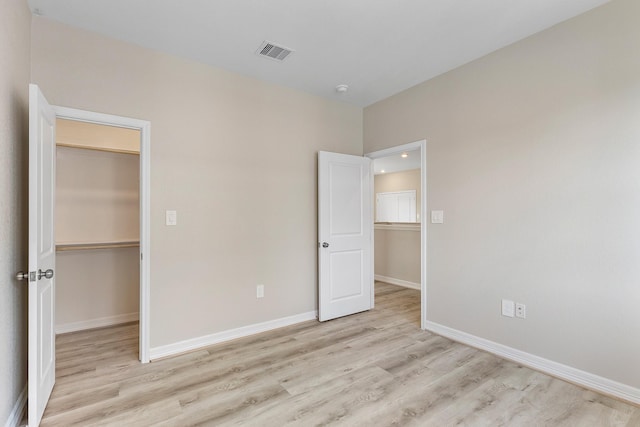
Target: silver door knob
[(325, 245), (21, 275), (47, 274)]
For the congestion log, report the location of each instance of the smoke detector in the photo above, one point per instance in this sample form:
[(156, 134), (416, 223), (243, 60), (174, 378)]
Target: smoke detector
[(342, 88), (273, 51)]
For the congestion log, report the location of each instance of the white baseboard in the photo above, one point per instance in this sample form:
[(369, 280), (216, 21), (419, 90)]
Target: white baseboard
[(15, 417), (207, 340), (567, 373), (96, 323), (399, 282)]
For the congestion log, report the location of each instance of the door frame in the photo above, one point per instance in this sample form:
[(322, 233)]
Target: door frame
[(145, 206), (422, 146)]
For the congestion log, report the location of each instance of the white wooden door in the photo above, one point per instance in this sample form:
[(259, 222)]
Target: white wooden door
[(345, 228), (42, 253)]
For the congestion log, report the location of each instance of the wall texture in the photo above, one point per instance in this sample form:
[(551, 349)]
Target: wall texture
[(15, 33), (110, 296), (97, 196), (534, 154), (234, 156), (397, 254)]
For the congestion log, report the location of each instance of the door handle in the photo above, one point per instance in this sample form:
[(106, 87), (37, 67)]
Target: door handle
[(46, 274), (325, 245), (21, 275)]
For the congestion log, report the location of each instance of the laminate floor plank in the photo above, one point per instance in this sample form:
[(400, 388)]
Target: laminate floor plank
[(332, 403), (314, 370), (375, 368)]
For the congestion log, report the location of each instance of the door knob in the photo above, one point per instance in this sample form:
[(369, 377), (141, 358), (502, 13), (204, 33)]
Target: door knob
[(21, 275), (325, 245), (46, 274)]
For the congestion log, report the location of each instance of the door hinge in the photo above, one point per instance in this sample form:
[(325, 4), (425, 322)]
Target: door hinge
[(141, 256)]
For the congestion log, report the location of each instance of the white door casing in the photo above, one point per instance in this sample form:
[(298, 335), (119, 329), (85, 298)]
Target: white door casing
[(42, 254), (345, 230)]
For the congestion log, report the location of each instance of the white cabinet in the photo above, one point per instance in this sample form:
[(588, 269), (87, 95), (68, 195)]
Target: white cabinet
[(397, 206)]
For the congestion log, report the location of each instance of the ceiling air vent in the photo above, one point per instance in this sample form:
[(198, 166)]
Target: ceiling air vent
[(273, 51)]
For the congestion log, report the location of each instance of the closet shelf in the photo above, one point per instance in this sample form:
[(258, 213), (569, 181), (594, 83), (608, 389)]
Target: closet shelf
[(61, 247), (107, 149)]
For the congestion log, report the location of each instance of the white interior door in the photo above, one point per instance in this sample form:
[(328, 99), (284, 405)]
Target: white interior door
[(345, 228), (42, 253)]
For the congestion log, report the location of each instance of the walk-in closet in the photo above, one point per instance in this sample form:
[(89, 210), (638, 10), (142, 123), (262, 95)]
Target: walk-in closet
[(97, 225)]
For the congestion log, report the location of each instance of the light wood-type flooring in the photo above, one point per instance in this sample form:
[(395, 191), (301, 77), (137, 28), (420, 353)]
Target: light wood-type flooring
[(370, 369)]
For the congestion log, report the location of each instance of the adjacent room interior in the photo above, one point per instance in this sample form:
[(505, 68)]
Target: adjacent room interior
[(398, 219), (397, 223)]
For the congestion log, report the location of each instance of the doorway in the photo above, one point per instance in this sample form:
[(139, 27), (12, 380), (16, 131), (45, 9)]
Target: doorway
[(122, 238), (97, 223), (400, 212)]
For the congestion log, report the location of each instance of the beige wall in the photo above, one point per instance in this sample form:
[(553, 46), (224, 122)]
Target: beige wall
[(15, 23), (399, 181), (234, 156), (533, 154), (96, 201), (397, 255), (106, 281), (397, 252), (96, 196)]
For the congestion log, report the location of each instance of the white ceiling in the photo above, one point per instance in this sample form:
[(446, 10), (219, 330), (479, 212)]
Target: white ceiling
[(377, 47), (397, 163)]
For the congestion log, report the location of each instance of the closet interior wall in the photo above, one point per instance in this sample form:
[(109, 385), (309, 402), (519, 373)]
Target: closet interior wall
[(97, 225)]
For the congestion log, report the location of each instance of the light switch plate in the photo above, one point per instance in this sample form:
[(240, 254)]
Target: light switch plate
[(508, 308), (437, 217), (172, 217)]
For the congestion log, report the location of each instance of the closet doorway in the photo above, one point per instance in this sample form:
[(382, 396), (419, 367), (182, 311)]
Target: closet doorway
[(101, 222)]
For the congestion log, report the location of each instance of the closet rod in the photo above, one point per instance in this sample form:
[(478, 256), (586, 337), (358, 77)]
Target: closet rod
[(98, 245)]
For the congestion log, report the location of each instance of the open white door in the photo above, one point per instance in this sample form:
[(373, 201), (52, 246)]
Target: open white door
[(42, 253), (345, 228)]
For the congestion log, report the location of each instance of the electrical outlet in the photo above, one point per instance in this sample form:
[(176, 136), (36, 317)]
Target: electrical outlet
[(260, 291), (521, 310), (508, 308)]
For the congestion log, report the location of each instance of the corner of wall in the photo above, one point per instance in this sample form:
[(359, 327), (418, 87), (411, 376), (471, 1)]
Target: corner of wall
[(15, 46)]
